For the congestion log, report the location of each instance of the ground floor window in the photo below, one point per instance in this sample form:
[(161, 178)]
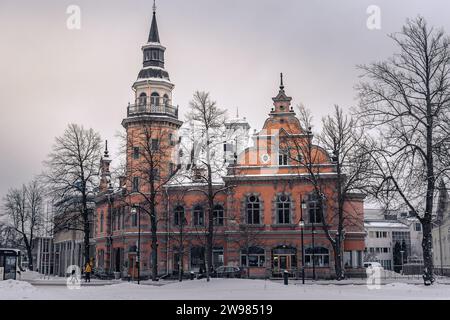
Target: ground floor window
[(197, 258), (256, 257), (319, 255), (218, 259)]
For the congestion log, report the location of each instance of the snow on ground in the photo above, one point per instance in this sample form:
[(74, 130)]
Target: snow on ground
[(223, 289)]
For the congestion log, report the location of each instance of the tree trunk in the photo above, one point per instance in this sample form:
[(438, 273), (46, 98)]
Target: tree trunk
[(427, 241), (338, 259), (154, 229)]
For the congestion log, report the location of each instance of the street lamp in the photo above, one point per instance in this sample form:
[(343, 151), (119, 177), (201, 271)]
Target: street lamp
[(302, 226), (138, 257), (401, 252)]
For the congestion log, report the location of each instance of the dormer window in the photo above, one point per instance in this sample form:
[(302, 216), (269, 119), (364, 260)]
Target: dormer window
[(283, 158)]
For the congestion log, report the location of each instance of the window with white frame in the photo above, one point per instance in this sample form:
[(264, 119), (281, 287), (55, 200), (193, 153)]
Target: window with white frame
[(253, 210), (256, 257), (314, 208), (199, 217), (218, 214), (320, 255), (283, 209)]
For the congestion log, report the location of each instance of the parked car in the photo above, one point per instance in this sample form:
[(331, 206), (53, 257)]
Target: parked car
[(227, 272), (101, 274), (372, 265)]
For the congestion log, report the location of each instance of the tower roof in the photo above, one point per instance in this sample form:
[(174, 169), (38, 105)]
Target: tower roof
[(154, 34)]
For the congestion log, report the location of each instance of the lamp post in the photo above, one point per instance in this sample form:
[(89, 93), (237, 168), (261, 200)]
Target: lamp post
[(401, 252), (302, 226), (314, 248), (138, 256)]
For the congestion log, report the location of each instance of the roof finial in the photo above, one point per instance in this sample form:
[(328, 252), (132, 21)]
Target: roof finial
[(237, 112), (154, 6), (281, 85), (106, 149)]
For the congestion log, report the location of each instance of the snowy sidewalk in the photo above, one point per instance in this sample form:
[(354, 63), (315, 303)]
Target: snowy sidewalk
[(223, 289)]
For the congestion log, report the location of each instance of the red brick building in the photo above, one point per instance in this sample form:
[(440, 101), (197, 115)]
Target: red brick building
[(256, 216)]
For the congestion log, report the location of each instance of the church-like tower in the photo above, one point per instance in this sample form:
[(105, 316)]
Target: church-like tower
[(152, 110), (153, 89)]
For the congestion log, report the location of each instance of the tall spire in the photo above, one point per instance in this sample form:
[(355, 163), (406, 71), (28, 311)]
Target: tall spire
[(282, 84), (154, 34), (106, 150)]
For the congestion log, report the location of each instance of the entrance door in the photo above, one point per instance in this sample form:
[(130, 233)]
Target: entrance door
[(132, 270), (281, 263)]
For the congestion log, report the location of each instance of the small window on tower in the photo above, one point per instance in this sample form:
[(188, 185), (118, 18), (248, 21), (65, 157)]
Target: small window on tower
[(155, 144), (135, 184), (136, 153)]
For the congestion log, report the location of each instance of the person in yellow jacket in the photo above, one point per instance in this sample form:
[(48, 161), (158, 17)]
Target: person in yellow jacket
[(87, 271)]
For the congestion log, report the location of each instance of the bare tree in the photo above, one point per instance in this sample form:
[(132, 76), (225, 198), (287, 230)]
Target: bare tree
[(350, 156), (406, 100), (24, 214), (151, 165), (72, 171), (210, 120)]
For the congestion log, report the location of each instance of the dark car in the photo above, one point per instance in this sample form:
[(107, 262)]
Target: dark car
[(227, 272)]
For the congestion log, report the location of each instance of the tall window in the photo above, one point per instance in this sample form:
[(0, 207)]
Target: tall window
[(199, 216), (253, 210), (113, 220), (102, 218), (283, 209), (166, 100), (178, 216), (134, 219), (321, 257), (135, 184), (142, 99), (155, 99), (315, 209), (218, 215)]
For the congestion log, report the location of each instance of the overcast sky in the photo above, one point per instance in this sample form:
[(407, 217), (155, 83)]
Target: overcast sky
[(235, 49)]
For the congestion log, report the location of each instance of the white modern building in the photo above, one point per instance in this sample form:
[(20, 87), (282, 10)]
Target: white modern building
[(383, 231)]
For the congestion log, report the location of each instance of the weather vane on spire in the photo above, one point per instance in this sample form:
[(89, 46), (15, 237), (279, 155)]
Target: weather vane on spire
[(281, 85), (154, 6)]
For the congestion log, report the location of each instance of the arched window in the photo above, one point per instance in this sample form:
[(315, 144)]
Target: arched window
[(253, 210), (199, 216), (166, 100), (155, 99), (179, 216), (283, 209), (218, 214), (315, 208), (142, 99), (256, 257), (320, 255)]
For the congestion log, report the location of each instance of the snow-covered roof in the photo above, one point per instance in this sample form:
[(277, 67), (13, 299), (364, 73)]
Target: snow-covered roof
[(385, 224)]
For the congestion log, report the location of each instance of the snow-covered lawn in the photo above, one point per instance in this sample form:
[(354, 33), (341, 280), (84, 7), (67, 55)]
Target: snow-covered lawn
[(222, 289)]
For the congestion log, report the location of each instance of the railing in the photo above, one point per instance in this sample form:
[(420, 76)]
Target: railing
[(152, 109)]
